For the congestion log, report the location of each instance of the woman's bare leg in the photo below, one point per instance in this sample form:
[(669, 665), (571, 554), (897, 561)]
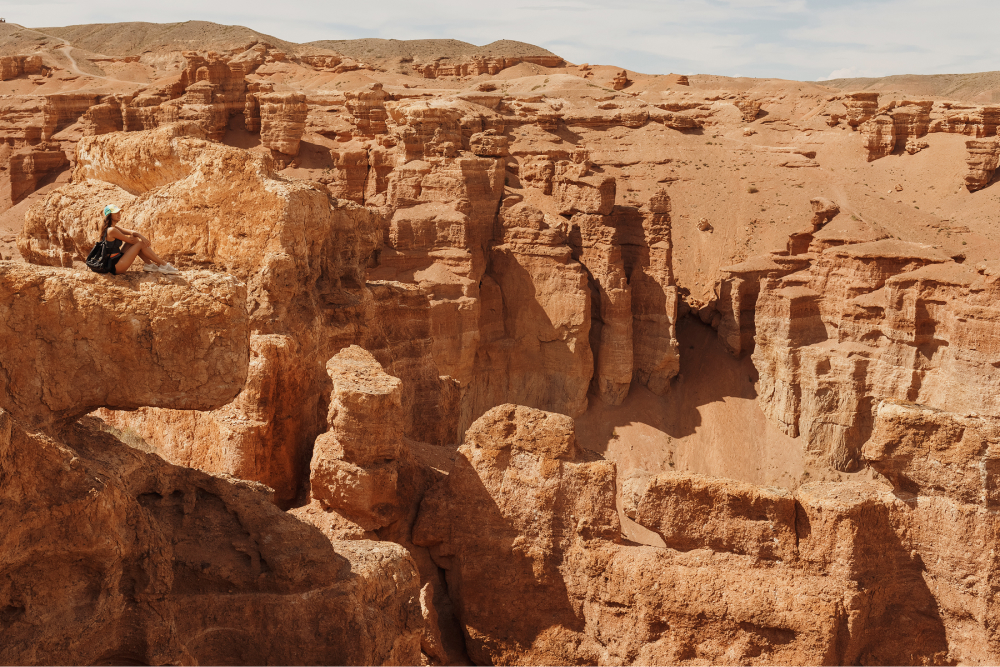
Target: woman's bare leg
[(127, 258), (147, 254)]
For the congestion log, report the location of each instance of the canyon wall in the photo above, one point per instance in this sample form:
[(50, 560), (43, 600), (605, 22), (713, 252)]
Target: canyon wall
[(393, 303), (111, 554)]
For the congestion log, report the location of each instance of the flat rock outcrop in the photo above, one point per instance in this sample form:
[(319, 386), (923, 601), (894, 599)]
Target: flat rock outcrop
[(274, 229), (186, 336)]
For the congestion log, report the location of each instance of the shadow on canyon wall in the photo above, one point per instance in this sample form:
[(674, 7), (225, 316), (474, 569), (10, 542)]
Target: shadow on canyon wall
[(709, 422)]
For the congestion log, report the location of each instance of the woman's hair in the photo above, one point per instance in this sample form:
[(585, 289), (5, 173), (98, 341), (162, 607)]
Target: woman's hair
[(105, 223)]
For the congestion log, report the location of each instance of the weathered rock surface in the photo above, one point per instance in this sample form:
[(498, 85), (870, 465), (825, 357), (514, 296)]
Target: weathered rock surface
[(502, 252), (282, 121), (596, 245), (861, 107), (526, 530), (64, 226), (943, 464), (31, 164), (738, 293), (62, 109), (475, 65), (489, 144), (112, 555), (866, 322), (354, 469), (647, 254), (984, 157), (749, 108), (879, 136), (213, 206), (929, 452), (12, 67), (187, 337), (367, 108), (535, 319), (693, 512)]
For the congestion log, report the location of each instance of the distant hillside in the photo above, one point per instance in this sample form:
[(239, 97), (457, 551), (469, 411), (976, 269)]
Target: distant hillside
[(426, 49), (126, 39), (136, 38), (16, 39), (978, 88)]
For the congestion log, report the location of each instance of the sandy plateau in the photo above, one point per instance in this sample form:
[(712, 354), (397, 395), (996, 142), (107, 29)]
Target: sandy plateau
[(478, 356)]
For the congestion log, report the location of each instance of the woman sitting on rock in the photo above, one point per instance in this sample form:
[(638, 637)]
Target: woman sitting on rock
[(136, 245)]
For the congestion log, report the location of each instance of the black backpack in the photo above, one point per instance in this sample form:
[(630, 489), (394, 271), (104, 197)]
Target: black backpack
[(98, 258)]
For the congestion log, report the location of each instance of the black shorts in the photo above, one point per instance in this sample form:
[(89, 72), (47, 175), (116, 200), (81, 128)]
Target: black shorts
[(109, 263)]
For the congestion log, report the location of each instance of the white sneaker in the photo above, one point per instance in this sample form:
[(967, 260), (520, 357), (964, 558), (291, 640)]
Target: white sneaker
[(150, 268), (168, 268)]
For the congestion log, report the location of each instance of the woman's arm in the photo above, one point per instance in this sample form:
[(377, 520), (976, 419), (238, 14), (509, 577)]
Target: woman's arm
[(126, 235)]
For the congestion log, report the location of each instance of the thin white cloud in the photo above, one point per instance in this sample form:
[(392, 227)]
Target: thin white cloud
[(797, 39)]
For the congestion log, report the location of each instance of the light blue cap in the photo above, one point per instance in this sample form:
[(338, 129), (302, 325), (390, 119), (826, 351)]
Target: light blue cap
[(111, 208)]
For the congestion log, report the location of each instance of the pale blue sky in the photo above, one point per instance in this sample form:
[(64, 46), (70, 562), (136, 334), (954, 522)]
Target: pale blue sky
[(795, 39)]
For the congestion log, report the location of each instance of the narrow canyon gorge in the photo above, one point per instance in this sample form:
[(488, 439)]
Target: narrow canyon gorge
[(479, 356)]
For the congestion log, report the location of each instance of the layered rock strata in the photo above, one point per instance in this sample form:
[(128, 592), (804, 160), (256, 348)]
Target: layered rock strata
[(867, 322), (984, 157), (301, 256), (943, 464), (354, 469), (282, 121), (12, 67), (424, 276), (749, 575), (476, 65), (29, 165), (647, 255), (111, 555), (535, 318)]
